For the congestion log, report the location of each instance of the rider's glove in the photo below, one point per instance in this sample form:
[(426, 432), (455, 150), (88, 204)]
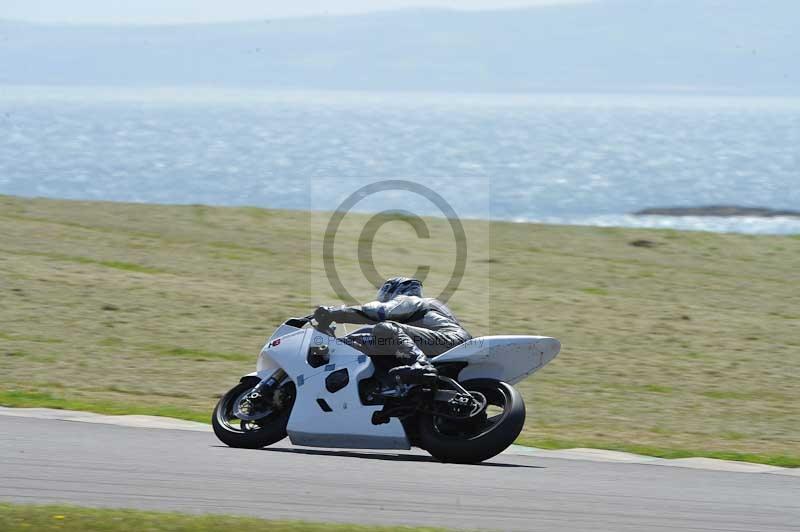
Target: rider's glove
[(323, 316)]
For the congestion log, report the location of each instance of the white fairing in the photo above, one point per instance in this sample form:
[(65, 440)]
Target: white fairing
[(265, 362), (505, 358), (349, 422)]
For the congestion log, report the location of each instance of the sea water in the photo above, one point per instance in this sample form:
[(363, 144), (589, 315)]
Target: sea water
[(574, 159)]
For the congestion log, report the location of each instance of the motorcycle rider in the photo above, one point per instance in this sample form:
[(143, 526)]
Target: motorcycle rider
[(407, 327)]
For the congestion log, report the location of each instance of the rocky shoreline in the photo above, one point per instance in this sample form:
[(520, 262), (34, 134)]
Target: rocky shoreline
[(718, 210)]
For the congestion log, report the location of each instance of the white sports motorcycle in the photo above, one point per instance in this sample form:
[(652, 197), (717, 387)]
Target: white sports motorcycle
[(325, 391)]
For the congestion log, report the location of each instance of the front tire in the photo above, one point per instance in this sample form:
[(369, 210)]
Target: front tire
[(481, 438), (269, 429)]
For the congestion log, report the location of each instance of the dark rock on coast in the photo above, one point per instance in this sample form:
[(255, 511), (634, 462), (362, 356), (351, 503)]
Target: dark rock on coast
[(717, 210)]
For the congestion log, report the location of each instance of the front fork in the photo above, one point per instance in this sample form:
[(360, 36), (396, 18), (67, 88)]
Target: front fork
[(248, 405), (267, 384)]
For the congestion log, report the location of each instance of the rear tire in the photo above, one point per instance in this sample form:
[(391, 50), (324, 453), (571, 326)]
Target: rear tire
[(472, 441), (250, 435)]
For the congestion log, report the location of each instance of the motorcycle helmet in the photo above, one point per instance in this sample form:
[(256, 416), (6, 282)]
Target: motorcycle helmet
[(399, 286)]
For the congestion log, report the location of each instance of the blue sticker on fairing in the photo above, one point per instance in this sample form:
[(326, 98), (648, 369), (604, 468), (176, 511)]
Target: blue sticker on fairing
[(362, 359), (330, 367), (300, 380), (382, 314)]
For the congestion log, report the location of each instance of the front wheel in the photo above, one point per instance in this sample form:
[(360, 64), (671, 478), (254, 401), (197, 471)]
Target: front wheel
[(479, 438), (265, 427)]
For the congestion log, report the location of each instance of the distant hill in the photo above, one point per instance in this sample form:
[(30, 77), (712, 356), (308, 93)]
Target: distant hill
[(739, 45)]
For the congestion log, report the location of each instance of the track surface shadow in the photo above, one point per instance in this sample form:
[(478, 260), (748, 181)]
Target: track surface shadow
[(382, 456)]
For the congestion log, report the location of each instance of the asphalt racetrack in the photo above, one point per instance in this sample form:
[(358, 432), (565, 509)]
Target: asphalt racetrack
[(55, 461)]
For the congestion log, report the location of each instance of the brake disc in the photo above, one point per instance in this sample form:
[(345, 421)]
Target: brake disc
[(246, 407)]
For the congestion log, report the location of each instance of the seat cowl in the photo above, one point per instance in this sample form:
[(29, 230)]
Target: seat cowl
[(507, 358)]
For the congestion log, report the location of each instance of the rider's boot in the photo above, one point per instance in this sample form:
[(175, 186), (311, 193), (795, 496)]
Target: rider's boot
[(421, 371)]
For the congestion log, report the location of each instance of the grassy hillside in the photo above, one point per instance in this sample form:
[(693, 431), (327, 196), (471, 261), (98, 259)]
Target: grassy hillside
[(687, 345)]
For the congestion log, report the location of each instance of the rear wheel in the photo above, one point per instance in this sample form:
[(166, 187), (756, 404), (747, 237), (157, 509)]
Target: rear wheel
[(479, 438), (265, 426)]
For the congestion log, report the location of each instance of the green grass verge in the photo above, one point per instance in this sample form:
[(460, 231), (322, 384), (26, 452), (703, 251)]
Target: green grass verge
[(18, 518), (688, 346), (20, 399), (670, 454)]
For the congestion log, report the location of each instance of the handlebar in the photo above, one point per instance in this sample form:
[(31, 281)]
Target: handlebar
[(309, 320), (326, 330)]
